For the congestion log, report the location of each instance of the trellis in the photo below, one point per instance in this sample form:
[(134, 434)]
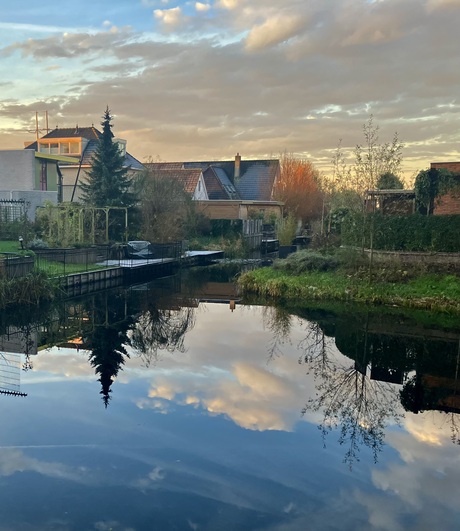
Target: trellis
[(69, 224)]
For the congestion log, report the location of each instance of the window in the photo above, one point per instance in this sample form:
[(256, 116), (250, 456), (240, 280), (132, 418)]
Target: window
[(60, 148), (75, 148), (43, 176)]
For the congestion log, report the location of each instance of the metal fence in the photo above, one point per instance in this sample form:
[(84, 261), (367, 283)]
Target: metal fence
[(60, 262)]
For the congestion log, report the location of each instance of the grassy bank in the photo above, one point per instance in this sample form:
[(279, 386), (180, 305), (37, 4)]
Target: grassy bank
[(29, 289), (427, 291)]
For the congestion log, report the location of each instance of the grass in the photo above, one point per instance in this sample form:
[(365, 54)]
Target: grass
[(429, 291), (58, 268)]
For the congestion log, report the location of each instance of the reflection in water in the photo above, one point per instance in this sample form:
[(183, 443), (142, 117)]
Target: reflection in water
[(387, 360), (393, 362), (161, 329), (108, 352)]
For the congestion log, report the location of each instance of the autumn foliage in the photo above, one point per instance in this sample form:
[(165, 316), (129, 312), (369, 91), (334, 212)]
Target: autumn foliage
[(299, 188)]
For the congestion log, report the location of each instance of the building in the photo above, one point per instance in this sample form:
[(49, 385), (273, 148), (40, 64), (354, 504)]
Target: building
[(79, 143), (450, 202), (231, 189), (28, 179)]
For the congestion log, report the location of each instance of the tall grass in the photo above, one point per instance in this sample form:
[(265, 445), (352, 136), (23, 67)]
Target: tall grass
[(29, 289)]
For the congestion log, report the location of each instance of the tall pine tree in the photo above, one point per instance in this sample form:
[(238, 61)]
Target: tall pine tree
[(108, 183)]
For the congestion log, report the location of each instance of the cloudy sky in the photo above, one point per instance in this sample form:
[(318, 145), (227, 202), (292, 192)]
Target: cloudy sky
[(189, 80)]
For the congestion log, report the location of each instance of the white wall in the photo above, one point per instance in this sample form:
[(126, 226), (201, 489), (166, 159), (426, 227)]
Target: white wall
[(17, 169)]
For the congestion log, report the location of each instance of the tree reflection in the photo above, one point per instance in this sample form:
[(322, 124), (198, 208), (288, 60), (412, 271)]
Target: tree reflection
[(107, 355), (161, 329), (279, 321), (350, 401), (348, 397)]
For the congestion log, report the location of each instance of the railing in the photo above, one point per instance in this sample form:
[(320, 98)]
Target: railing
[(61, 262)]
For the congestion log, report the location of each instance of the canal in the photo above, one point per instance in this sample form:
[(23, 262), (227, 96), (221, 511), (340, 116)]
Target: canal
[(177, 405)]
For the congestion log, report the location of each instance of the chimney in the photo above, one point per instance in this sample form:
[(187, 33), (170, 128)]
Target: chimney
[(236, 175)]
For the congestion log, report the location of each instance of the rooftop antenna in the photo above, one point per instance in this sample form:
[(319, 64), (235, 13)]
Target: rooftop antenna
[(37, 129)]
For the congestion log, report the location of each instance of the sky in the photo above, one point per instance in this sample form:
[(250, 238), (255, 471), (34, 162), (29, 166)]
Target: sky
[(190, 80)]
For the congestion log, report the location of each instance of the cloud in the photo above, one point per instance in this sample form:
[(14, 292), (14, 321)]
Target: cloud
[(170, 17), (199, 6), (252, 397), (13, 460), (442, 5), (422, 484), (201, 91), (273, 31)]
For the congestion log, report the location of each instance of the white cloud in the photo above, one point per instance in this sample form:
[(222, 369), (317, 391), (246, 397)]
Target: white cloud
[(200, 6), (169, 16)]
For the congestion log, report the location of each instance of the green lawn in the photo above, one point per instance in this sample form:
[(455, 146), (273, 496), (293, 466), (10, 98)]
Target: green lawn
[(9, 246), (52, 268)]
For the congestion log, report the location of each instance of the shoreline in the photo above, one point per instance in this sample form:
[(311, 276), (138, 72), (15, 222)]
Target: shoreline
[(434, 292)]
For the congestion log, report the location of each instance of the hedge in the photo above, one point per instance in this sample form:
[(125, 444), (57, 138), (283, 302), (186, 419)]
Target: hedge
[(403, 233)]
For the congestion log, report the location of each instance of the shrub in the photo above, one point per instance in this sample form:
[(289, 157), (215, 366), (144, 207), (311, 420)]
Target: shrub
[(38, 243), (303, 261)]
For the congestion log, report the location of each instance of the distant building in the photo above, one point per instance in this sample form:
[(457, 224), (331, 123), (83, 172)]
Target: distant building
[(231, 189), (448, 203), (28, 179), (79, 143)]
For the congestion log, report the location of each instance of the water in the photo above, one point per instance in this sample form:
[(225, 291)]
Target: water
[(147, 409)]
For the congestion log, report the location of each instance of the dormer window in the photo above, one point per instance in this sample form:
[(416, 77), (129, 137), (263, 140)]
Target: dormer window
[(60, 147)]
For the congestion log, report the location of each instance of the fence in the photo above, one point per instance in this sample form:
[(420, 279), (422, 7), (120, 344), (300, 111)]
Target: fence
[(13, 266), (60, 262)]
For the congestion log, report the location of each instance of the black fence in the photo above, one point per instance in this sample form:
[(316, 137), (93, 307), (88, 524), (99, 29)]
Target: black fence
[(60, 262)]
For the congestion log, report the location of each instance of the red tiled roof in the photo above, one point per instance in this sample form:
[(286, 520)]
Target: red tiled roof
[(189, 178)]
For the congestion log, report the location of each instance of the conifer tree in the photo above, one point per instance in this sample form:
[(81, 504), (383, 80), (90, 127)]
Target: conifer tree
[(108, 183)]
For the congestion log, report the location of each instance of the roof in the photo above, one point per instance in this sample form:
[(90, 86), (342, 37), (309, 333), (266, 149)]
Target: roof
[(157, 166), (218, 185), (257, 177), (56, 158), (92, 135), (188, 177)]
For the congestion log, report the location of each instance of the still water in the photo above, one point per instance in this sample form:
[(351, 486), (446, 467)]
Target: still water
[(164, 406)]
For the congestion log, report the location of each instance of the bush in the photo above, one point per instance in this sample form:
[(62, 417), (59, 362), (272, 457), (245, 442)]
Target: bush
[(38, 243), (403, 233), (303, 261)]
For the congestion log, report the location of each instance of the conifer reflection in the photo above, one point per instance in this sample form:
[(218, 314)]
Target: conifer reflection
[(108, 353)]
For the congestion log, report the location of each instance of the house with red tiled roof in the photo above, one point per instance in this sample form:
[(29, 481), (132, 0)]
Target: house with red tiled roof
[(80, 143), (233, 189), (191, 179)]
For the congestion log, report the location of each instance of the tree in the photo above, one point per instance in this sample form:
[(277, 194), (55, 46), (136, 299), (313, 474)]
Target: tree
[(165, 207), (430, 185), (108, 183), (389, 181), (299, 188), (372, 161)]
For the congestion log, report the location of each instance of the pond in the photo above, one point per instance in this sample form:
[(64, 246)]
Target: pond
[(175, 405)]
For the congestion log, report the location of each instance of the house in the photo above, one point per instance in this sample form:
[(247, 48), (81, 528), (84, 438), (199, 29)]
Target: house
[(28, 179), (450, 202), (233, 189), (191, 179), (80, 143)]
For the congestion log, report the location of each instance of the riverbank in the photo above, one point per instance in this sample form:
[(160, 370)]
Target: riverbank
[(430, 291)]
